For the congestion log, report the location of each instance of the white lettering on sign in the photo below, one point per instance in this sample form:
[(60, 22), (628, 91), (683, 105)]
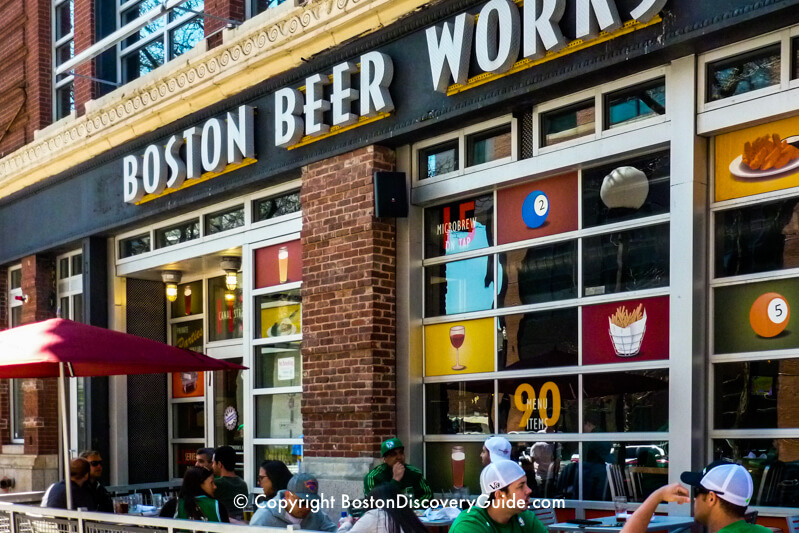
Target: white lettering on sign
[(541, 31), (216, 146), (496, 38), (377, 71)]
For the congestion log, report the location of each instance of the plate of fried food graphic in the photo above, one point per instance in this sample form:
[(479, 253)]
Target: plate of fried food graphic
[(767, 156)]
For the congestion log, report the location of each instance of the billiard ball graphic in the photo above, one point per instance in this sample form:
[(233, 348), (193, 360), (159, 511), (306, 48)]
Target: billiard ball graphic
[(769, 314), (535, 209)]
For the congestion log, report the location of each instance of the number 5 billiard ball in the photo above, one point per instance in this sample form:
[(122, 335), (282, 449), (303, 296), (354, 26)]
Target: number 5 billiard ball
[(769, 314), (535, 209)]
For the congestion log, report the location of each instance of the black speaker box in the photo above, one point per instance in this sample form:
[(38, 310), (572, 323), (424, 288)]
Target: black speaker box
[(391, 196)]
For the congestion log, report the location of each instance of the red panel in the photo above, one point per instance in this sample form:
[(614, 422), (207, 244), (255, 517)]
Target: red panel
[(652, 344), (267, 266), (561, 191)]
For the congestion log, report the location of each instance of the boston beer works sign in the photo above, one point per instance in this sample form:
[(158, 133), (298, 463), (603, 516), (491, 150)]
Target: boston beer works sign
[(352, 94)]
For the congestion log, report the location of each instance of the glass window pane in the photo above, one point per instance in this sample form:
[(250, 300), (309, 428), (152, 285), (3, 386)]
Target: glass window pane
[(626, 190), (278, 416), (568, 123), (64, 19), (188, 420), (757, 238), (65, 100), (636, 103), (16, 316), (263, 5), (460, 226), (277, 206), (63, 268), (438, 160), (538, 404), (225, 310), (642, 465), (626, 261), (537, 340), (64, 53), (280, 314), (460, 408), (143, 60), (16, 278), (176, 234), (185, 37), (18, 429), (627, 401), (772, 464), (229, 407), (743, 73), (460, 286), (795, 58), (226, 220), (77, 265), (189, 301), (194, 5), (184, 456), (77, 308), (129, 15), (290, 454), (756, 394), (134, 246), (537, 275), (64, 307), (489, 145), (188, 335), (278, 365)]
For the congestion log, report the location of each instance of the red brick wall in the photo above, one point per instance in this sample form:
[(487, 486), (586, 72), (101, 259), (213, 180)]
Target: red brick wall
[(40, 395), (348, 308), (229, 9), (38, 64), (85, 89)]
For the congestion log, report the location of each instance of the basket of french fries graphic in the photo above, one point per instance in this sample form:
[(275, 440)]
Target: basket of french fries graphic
[(627, 330)]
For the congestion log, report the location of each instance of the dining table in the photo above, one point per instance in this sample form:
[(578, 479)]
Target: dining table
[(608, 524)]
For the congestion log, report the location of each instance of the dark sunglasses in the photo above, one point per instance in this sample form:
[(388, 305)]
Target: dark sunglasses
[(96, 463), (703, 490)]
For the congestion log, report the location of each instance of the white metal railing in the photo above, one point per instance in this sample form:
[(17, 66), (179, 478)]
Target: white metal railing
[(16, 518)]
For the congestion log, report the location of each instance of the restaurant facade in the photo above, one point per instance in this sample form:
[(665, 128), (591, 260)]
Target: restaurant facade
[(567, 222)]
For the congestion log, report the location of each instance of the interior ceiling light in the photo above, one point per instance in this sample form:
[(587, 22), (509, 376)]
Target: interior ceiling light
[(171, 278), (231, 266)]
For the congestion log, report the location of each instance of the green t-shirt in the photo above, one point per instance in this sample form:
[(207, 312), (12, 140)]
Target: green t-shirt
[(476, 520), (742, 527), (227, 488)]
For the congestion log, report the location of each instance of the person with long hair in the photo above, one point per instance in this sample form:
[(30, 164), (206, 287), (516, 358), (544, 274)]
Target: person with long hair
[(196, 499), (393, 517), (273, 477)]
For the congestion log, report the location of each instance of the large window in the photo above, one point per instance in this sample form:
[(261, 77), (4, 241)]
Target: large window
[(63, 16), (176, 32), (553, 329)]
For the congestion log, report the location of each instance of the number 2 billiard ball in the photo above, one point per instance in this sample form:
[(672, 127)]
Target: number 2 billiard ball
[(535, 209), (769, 314)]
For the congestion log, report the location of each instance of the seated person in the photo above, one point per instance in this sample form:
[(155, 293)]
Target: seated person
[(196, 499), (297, 509), (228, 484), (406, 478), (78, 477)]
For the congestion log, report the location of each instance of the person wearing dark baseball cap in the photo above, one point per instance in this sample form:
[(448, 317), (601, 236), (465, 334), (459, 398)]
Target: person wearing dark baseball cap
[(296, 508), (502, 507), (722, 493), (407, 479)]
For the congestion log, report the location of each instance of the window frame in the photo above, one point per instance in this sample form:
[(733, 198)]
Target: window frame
[(69, 79), (12, 303)]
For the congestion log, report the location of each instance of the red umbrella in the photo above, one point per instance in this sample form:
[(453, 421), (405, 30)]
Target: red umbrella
[(60, 348)]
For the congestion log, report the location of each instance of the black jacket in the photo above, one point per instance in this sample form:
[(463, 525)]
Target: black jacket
[(102, 499), (80, 497)]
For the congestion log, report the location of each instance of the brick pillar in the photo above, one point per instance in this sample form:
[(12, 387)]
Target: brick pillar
[(229, 9), (40, 395), (39, 65), (348, 308), (85, 89)]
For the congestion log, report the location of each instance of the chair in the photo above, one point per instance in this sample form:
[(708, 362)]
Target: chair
[(772, 475), (751, 517), (547, 516), (617, 481), (793, 523)]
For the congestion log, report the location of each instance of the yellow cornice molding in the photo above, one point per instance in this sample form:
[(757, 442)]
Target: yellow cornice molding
[(261, 48)]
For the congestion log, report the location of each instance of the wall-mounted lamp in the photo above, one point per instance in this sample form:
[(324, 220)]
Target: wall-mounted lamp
[(231, 266), (171, 278), (230, 296)]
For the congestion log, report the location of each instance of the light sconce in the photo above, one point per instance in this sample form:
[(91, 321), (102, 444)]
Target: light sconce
[(171, 278), (231, 266), (230, 296)]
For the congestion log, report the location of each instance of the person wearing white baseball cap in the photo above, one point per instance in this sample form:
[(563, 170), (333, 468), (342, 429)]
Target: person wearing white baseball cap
[(502, 507), (722, 492), (495, 448)]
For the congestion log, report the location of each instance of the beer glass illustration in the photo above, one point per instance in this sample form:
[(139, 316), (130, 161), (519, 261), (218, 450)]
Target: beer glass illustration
[(283, 263), (457, 334), (458, 466)]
